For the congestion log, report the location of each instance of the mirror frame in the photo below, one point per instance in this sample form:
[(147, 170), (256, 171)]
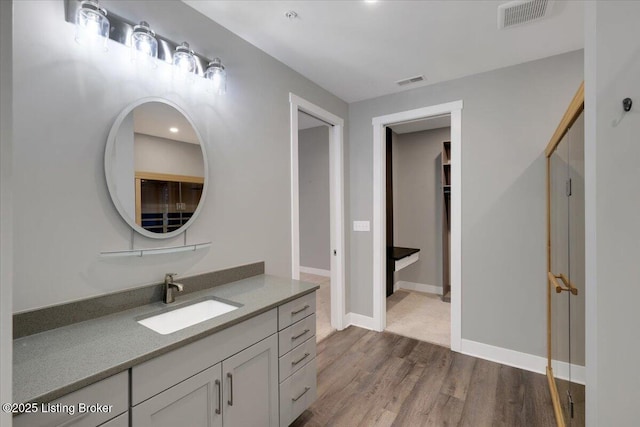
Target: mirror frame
[(108, 151)]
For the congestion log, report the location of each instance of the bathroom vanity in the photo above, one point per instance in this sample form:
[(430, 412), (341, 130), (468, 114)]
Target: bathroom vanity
[(252, 366), (238, 351)]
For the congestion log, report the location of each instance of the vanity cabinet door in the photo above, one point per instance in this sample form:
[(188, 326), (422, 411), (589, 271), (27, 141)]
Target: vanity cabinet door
[(194, 402), (251, 386), (112, 394), (119, 421)]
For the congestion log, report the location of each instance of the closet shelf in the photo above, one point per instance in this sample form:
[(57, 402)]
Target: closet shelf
[(155, 251)]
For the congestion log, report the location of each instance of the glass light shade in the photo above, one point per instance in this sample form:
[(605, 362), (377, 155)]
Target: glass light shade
[(92, 25), (144, 46), (184, 61), (217, 75)]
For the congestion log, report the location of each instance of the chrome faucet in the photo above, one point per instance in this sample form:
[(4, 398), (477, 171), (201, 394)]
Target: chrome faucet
[(169, 286)]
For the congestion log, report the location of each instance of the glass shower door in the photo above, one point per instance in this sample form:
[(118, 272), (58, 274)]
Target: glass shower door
[(566, 275), (576, 272), (559, 268)]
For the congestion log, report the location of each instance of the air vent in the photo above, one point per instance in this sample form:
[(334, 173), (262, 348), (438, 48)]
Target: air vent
[(410, 80), (519, 12)]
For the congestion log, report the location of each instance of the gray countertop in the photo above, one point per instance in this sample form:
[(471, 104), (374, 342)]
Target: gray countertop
[(51, 364)]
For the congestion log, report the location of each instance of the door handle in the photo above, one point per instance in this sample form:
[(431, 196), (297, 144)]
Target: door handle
[(295, 362), (295, 337), (219, 387), (230, 376), (293, 313), (559, 288), (295, 399)]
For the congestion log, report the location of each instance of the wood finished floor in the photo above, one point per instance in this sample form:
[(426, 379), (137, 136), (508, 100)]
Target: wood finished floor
[(368, 378)]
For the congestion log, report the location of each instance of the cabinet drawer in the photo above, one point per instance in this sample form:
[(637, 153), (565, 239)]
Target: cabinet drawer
[(156, 375), (295, 310), (112, 391), (297, 358), (296, 334), (297, 393)]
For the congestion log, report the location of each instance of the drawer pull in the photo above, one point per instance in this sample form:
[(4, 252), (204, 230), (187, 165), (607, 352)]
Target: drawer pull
[(295, 399), (293, 313), (295, 337), (295, 362), (219, 408), (230, 401)]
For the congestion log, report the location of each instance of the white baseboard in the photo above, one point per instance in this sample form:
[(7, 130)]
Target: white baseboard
[(525, 361), (361, 321), (561, 370), (420, 287), (316, 271)]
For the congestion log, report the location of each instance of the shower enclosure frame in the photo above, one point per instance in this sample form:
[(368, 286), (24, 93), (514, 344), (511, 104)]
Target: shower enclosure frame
[(570, 116)]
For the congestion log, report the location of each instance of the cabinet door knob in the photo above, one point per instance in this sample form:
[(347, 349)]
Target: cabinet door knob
[(230, 401)]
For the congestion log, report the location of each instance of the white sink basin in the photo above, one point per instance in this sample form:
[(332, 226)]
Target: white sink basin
[(180, 318)]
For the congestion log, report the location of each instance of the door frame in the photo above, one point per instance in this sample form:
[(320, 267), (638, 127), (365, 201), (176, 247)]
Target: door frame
[(379, 212), (336, 202)]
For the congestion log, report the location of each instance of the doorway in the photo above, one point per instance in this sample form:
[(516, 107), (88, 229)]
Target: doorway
[(313, 199), (418, 229), (301, 109), (454, 109)]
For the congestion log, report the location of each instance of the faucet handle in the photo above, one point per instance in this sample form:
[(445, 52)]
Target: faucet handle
[(168, 277)]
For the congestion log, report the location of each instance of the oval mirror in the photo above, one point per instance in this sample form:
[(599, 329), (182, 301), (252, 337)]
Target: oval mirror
[(156, 168)]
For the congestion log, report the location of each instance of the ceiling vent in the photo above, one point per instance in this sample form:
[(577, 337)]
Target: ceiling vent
[(410, 80), (519, 12)]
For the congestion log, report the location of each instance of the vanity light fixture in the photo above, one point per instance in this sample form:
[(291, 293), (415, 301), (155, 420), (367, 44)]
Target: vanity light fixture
[(184, 60), (144, 46), (93, 27), (218, 76), (92, 24)]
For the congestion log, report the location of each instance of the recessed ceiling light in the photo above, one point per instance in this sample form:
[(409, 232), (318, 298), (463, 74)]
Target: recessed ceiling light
[(173, 130), (370, 1)]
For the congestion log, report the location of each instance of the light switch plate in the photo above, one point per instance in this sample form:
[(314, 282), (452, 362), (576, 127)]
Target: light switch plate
[(361, 226)]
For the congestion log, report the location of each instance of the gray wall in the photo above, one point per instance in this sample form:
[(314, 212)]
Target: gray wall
[(162, 155), (6, 213), (612, 174), (313, 154), (509, 116), (417, 202), (64, 215)]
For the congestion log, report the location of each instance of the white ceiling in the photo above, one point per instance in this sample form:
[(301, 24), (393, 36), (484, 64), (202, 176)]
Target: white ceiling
[(422, 124), (156, 118), (358, 49)]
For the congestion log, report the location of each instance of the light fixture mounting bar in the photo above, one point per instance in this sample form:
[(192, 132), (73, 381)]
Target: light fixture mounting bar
[(122, 28)]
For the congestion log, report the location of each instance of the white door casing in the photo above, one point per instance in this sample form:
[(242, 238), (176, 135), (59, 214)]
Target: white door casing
[(336, 204), (379, 212)]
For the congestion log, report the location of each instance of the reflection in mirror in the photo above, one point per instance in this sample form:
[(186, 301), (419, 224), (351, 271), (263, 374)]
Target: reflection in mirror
[(155, 166)]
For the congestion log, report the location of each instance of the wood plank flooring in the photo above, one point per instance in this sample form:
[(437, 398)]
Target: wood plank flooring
[(368, 378)]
